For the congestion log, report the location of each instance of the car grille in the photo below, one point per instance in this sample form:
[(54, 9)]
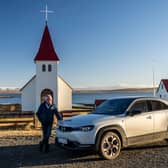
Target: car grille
[(65, 129)]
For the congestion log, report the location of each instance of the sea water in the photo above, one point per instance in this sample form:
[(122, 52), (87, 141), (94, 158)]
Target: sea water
[(77, 98), (89, 98), (10, 98)]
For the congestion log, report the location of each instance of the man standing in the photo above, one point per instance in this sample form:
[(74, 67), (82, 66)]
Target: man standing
[(45, 115)]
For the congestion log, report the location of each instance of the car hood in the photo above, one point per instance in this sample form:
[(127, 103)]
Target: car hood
[(82, 120)]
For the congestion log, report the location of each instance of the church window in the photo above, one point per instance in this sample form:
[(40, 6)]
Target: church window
[(49, 68), (43, 68)]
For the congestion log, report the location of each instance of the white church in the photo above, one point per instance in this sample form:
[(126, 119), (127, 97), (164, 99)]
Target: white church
[(46, 80)]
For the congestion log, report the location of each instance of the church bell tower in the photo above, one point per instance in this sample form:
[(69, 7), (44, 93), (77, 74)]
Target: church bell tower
[(46, 61)]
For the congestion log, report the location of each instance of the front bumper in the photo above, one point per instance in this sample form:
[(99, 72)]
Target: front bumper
[(75, 139), (72, 145)]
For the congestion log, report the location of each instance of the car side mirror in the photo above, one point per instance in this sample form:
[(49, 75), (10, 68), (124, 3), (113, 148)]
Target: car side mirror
[(134, 112)]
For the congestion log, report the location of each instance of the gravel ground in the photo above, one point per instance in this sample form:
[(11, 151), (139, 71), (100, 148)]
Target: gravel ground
[(20, 149)]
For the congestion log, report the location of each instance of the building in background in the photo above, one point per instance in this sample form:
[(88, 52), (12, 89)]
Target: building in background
[(162, 90)]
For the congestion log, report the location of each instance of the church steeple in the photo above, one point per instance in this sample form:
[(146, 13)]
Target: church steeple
[(46, 50)]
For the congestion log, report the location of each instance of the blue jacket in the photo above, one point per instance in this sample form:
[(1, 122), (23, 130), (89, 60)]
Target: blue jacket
[(46, 113)]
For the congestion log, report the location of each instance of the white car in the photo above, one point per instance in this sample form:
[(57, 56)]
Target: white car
[(116, 124)]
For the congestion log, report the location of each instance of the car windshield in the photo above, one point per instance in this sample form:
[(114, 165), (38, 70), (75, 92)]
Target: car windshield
[(113, 107)]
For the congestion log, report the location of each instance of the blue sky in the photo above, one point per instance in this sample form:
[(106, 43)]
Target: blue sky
[(100, 43)]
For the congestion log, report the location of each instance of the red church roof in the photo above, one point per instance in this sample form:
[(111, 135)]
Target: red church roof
[(165, 82), (46, 50)]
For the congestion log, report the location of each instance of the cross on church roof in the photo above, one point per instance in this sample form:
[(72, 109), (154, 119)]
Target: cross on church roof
[(46, 11)]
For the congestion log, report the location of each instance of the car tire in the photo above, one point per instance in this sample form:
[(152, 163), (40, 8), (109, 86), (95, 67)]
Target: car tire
[(110, 145)]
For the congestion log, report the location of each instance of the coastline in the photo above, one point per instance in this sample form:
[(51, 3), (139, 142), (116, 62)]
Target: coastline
[(80, 97)]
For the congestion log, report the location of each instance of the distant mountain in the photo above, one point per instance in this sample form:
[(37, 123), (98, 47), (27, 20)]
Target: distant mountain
[(105, 90), (9, 90)]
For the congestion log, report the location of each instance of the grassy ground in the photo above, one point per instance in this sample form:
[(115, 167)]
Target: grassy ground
[(21, 149), (35, 132)]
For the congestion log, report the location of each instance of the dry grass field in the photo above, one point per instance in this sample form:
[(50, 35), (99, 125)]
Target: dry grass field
[(19, 148)]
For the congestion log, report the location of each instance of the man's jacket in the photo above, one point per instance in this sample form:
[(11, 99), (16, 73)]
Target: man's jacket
[(46, 113)]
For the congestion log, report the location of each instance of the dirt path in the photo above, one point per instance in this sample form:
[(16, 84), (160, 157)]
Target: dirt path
[(20, 133), (20, 149)]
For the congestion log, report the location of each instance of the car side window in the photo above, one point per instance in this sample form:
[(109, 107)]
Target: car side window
[(157, 105), (140, 106)]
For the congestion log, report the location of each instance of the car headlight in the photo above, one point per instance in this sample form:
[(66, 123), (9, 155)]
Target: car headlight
[(85, 128)]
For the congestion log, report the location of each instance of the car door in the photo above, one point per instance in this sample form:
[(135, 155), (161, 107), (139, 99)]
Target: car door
[(141, 124), (160, 114)]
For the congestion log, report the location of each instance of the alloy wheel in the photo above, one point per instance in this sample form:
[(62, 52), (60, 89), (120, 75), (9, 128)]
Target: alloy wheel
[(110, 145)]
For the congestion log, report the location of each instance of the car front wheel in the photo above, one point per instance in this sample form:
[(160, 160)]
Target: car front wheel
[(110, 145)]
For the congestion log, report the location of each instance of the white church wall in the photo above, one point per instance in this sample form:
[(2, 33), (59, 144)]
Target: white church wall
[(28, 97), (64, 96), (46, 80), (162, 92)]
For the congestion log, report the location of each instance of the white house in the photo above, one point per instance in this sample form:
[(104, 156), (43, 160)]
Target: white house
[(46, 80), (162, 90)]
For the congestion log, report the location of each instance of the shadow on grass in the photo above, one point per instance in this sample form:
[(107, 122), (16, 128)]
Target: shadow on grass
[(29, 155)]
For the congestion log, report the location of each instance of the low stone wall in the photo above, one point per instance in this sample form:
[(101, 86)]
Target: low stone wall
[(16, 120), (27, 120), (66, 114), (10, 107)]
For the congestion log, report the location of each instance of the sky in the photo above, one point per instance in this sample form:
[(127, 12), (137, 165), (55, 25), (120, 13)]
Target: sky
[(100, 43)]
